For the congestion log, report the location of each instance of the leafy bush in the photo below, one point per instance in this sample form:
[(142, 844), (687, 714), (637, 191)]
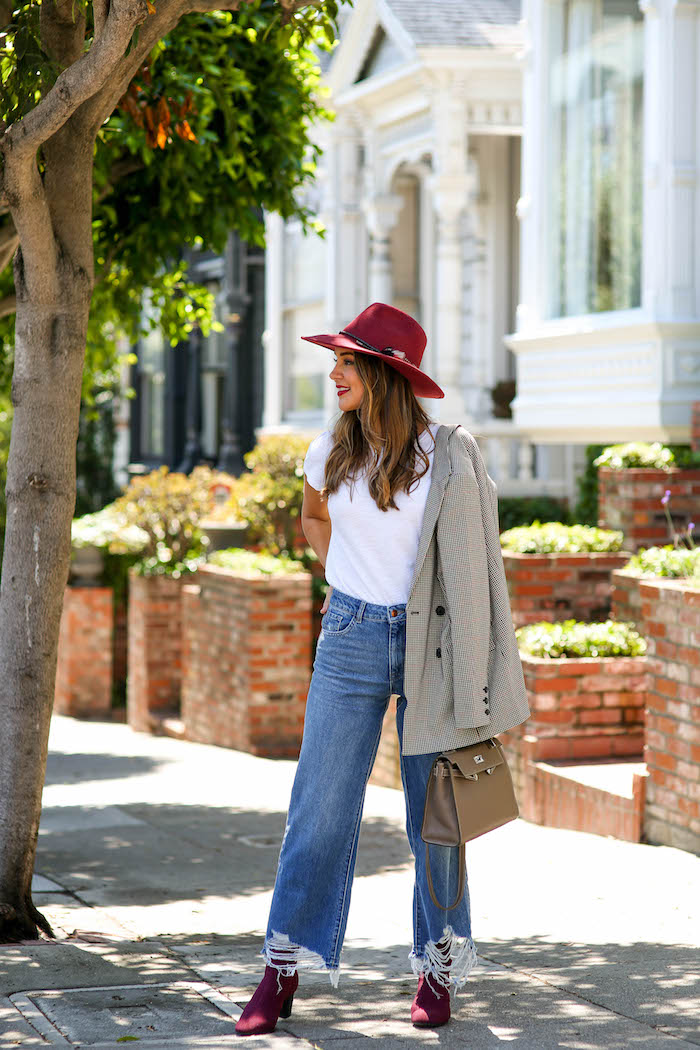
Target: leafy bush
[(110, 530), (523, 510), (586, 509), (169, 508), (636, 454), (252, 563), (269, 498), (575, 638), (668, 561), (552, 536), (278, 455), (684, 457)]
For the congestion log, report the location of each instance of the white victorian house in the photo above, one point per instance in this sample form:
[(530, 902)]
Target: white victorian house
[(569, 265)]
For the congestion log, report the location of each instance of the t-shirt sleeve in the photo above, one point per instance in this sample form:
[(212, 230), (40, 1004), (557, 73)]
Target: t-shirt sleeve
[(315, 460)]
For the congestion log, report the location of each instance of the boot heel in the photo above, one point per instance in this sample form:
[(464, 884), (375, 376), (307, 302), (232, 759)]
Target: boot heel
[(286, 1010)]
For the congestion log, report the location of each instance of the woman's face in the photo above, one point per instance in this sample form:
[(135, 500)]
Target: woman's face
[(349, 386)]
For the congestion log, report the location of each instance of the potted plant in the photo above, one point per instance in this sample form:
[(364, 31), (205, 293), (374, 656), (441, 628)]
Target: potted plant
[(632, 480), (246, 643), (556, 571), (586, 686), (169, 507)]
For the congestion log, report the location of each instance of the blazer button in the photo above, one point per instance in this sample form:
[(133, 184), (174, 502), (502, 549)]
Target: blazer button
[(438, 652), (487, 711), (440, 610)]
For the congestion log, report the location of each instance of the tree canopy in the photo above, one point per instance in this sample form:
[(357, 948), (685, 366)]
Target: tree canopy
[(213, 128)]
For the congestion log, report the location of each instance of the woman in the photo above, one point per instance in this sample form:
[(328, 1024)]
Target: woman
[(417, 607)]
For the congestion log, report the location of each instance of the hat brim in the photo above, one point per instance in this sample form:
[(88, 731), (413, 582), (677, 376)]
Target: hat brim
[(422, 384)]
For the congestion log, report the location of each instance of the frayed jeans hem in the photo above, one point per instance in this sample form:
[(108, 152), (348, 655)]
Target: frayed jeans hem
[(286, 958), (448, 963)]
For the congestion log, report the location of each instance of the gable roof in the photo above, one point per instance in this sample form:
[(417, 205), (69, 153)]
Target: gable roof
[(473, 23)]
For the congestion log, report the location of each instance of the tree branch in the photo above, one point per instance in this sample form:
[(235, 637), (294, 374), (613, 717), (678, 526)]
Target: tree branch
[(6, 9), (9, 240), (107, 265), (97, 109), (81, 81), (120, 169), (62, 28), (100, 9), (8, 305)]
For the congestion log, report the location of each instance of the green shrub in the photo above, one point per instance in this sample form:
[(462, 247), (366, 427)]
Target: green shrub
[(523, 510), (252, 563), (684, 457), (668, 561), (636, 454), (278, 455), (269, 498), (553, 536), (169, 507), (574, 638), (586, 509), (110, 530)]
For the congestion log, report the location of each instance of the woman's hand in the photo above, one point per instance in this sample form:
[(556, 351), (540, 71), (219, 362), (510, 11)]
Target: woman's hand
[(326, 600)]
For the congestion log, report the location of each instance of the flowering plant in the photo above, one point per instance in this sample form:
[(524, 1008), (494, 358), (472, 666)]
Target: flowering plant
[(680, 539)]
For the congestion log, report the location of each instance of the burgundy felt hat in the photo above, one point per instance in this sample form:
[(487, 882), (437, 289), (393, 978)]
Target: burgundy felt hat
[(383, 331)]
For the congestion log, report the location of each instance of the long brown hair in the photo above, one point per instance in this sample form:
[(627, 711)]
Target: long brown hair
[(382, 434)]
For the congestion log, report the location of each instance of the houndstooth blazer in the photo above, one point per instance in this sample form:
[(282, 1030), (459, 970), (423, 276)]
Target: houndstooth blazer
[(463, 679)]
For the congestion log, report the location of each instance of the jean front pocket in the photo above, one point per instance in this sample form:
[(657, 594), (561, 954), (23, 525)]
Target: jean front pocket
[(338, 620)]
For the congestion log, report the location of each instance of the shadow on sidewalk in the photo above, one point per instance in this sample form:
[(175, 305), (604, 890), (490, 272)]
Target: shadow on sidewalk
[(657, 985), (169, 853), (64, 768)]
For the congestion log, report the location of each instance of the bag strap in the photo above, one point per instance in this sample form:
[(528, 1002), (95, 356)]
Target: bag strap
[(460, 888)]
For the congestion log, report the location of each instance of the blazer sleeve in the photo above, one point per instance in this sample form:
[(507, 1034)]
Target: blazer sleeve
[(463, 560)]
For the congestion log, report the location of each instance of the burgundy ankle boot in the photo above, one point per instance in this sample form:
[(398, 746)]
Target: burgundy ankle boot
[(430, 1008), (268, 1003)]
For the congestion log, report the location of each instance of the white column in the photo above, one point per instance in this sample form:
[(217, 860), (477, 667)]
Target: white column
[(272, 336), (381, 212), (534, 257), (449, 199), (671, 190)]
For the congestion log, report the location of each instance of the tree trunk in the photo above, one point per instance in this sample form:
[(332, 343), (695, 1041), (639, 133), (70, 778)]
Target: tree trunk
[(50, 334)]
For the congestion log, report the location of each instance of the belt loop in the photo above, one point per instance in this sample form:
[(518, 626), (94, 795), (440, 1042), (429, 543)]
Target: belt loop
[(361, 609)]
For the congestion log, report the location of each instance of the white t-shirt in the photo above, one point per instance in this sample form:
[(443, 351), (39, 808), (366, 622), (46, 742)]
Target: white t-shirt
[(372, 553)]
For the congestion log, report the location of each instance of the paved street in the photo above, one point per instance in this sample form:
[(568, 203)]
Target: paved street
[(155, 865)]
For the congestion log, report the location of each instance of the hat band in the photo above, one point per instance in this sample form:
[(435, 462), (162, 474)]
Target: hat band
[(388, 350)]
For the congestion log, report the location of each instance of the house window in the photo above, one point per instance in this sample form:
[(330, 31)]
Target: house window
[(306, 365), (594, 197)]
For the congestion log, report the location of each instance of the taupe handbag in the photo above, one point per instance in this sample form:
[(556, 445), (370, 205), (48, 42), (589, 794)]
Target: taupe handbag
[(469, 792)]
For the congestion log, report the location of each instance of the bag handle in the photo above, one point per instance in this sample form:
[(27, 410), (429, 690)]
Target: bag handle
[(462, 860)]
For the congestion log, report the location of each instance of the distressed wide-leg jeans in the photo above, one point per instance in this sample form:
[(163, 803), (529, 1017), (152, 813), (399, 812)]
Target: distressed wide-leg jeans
[(359, 665)]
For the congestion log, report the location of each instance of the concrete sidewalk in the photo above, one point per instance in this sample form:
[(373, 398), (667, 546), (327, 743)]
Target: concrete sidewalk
[(157, 859)]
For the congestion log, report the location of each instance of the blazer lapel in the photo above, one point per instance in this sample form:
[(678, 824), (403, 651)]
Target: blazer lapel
[(436, 492)]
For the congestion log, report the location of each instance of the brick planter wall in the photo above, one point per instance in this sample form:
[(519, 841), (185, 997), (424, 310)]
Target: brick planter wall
[(671, 616), (84, 668), (560, 586), (626, 602), (246, 660), (630, 500), (154, 649), (586, 708), (695, 426)]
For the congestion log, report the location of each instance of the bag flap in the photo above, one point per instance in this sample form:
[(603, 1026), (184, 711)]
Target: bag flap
[(476, 758)]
